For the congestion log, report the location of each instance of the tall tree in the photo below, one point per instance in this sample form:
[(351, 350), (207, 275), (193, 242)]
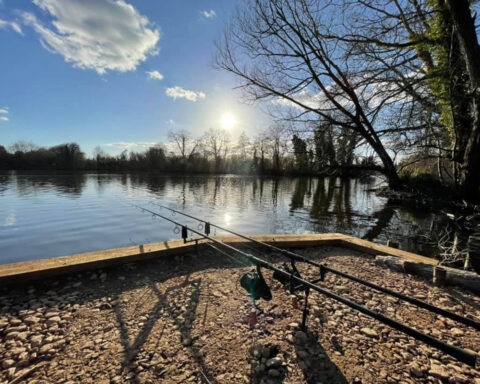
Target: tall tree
[(281, 50)]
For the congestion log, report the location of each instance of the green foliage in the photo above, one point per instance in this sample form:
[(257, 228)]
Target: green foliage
[(420, 180)]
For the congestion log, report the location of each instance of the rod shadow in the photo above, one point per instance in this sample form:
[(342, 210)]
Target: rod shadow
[(313, 360)]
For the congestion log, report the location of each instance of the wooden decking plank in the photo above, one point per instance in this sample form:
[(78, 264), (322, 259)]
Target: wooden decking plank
[(37, 269), (379, 249)]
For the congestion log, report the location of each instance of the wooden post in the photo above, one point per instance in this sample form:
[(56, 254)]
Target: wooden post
[(439, 276)]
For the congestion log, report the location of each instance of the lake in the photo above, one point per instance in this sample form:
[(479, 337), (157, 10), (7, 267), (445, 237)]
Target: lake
[(46, 215)]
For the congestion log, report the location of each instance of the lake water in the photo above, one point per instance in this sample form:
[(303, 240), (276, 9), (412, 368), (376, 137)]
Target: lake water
[(47, 215)]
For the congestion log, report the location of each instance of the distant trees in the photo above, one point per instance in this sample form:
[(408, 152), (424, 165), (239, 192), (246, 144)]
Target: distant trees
[(275, 151), (23, 155)]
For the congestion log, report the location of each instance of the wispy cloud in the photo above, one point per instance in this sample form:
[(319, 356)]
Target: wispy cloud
[(132, 144), (209, 14), (4, 111), (171, 122), (96, 34), (11, 24), (155, 75), (180, 93), (4, 118)]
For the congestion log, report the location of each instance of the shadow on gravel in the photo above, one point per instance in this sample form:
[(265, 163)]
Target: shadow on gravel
[(314, 361), (265, 366), (82, 288), (188, 292)]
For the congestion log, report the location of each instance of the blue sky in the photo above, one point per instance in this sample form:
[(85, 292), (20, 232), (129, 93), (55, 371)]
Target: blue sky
[(99, 72)]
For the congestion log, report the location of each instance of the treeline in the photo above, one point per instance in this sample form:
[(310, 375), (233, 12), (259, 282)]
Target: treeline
[(275, 152)]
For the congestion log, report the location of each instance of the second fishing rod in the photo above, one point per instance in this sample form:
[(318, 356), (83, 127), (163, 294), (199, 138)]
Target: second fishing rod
[(324, 268)]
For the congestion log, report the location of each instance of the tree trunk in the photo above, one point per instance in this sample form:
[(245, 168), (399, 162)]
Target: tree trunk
[(471, 160), (464, 25), (389, 169)]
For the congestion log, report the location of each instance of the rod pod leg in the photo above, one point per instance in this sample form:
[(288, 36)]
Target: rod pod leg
[(305, 310)]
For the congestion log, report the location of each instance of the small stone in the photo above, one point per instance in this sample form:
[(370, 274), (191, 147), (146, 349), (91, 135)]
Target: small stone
[(456, 332), (460, 379), (53, 321), (266, 352), (11, 372), (22, 336), (7, 363), (273, 362), (438, 371), (31, 320), (369, 332), (416, 371), (11, 336), (46, 348), (273, 373), (36, 340)]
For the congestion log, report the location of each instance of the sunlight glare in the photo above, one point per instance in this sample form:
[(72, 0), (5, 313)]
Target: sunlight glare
[(227, 219), (228, 121)]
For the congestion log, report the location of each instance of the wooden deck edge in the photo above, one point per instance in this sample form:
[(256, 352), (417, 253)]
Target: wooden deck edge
[(379, 249), (38, 269)]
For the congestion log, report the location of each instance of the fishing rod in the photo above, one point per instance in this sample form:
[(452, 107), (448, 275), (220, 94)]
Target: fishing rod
[(324, 268), (461, 354)]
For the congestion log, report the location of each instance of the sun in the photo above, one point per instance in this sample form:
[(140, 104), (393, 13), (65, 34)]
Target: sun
[(228, 121)]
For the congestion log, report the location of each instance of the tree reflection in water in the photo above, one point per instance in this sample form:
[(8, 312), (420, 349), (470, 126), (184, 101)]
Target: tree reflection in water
[(65, 213)]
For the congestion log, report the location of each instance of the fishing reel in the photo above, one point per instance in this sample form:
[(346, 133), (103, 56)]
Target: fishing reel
[(256, 286)]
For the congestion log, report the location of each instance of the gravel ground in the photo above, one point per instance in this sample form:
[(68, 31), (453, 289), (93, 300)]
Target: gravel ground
[(186, 320)]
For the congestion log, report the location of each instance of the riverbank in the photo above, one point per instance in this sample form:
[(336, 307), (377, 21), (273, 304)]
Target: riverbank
[(185, 319)]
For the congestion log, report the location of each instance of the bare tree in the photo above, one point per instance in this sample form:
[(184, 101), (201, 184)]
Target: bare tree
[(184, 142), (217, 143), (282, 51)]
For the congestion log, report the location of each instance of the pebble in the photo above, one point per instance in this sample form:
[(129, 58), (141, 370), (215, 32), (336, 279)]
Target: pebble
[(273, 362), (438, 371), (7, 363), (456, 332), (273, 372), (369, 332)]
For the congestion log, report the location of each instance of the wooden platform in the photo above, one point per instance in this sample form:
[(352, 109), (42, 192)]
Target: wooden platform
[(38, 269)]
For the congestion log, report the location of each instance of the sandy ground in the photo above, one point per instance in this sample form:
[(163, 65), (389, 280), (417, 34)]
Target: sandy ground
[(185, 320)]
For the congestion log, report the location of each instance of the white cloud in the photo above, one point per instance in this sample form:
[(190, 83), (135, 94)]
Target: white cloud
[(170, 122), (155, 75), (11, 24), (96, 34), (131, 144), (4, 118), (4, 110), (180, 93), (209, 14)]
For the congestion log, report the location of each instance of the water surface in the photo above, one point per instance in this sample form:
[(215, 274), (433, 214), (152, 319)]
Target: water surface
[(46, 215)]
